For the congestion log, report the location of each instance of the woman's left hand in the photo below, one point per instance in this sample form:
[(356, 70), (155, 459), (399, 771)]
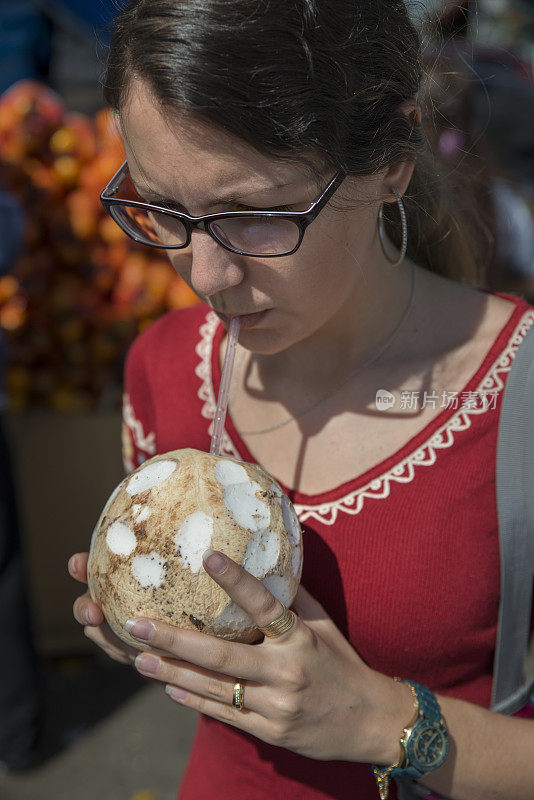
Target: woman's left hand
[(306, 690)]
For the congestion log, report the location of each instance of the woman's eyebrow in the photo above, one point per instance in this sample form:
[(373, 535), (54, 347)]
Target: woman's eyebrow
[(229, 198)]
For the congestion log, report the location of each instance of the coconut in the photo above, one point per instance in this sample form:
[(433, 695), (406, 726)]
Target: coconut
[(145, 558)]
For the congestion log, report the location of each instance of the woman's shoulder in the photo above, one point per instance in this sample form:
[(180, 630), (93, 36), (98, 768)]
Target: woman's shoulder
[(467, 326)]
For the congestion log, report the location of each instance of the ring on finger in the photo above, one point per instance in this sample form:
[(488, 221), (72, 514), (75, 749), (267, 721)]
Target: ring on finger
[(280, 625), (238, 695)]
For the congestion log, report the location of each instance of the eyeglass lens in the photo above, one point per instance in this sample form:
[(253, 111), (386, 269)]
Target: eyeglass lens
[(270, 235)]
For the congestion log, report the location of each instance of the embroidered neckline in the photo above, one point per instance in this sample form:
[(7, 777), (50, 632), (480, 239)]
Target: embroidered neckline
[(403, 471)]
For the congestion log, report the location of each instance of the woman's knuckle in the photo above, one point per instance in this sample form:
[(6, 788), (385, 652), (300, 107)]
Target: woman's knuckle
[(268, 606), (307, 636), (286, 706), (293, 677), (218, 658), (215, 689), (172, 640), (226, 713)]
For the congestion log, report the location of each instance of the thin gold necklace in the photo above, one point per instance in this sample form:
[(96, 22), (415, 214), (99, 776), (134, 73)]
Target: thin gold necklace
[(341, 383)]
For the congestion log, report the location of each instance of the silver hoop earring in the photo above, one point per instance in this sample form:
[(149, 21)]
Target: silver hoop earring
[(381, 235)]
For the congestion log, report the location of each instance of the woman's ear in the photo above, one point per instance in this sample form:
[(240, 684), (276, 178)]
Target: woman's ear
[(399, 175), (412, 110)]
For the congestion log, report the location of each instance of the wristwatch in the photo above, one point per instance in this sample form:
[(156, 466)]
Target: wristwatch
[(424, 742)]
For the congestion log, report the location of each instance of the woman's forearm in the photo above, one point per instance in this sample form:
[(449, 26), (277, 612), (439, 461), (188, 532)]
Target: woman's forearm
[(491, 755)]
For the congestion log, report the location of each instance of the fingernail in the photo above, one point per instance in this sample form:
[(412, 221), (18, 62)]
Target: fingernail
[(176, 692), (147, 663), (215, 561), (140, 628), (73, 564)]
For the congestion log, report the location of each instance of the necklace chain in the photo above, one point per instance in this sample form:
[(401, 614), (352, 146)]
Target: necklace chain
[(341, 383)]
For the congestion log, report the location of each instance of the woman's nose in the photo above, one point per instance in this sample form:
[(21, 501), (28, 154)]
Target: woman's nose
[(213, 269)]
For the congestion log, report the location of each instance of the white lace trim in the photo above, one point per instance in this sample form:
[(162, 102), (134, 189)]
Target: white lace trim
[(145, 444), (402, 472)]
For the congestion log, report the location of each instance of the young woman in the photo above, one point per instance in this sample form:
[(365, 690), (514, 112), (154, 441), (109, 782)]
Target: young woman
[(369, 383)]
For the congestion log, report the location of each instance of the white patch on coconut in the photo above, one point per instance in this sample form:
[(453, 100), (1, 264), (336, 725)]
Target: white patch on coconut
[(291, 521), (150, 476), (111, 498), (248, 511), (143, 515), (279, 586), (276, 490), (121, 539), (193, 538), (136, 508), (232, 617), (148, 569), (227, 473), (261, 555)]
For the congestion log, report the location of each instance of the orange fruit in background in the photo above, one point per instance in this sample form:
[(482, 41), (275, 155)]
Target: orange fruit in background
[(115, 254), (133, 270), (159, 276), (42, 176), (66, 169), (110, 231), (62, 141), (83, 213), (81, 288), (13, 314), (76, 136), (31, 97), (9, 286), (98, 172), (179, 295)]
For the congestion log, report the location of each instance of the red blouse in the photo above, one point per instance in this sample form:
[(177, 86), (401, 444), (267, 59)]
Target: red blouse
[(404, 558)]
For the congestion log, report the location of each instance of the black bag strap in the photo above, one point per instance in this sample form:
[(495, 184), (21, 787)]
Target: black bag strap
[(515, 507)]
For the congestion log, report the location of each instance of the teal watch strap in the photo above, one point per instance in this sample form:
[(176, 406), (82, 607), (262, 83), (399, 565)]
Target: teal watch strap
[(430, 722), (424, 741), (428, 704)]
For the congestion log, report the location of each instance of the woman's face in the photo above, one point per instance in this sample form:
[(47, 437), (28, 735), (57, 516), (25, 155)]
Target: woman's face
[(203, 170)]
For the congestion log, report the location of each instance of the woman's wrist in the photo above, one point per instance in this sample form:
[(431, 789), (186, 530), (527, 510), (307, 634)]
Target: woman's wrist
[(389, 709)]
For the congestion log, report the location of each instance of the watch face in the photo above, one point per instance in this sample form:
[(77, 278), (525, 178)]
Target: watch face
[(428, 745)]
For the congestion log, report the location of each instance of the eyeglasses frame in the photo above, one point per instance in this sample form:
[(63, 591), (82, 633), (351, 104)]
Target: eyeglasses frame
[(302, 219)]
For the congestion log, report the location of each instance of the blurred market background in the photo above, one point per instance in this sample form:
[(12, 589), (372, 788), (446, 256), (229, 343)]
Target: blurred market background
[(77, 291)]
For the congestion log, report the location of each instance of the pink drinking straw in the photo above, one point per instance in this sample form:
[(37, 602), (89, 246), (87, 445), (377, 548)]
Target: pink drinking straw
[(222, 400)]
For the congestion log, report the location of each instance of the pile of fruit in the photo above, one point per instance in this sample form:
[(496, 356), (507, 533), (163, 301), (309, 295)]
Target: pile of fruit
[(81, 290)]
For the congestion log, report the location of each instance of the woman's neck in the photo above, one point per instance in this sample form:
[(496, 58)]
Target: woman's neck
[(351, 338)]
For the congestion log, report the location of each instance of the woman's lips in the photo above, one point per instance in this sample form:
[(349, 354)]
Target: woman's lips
[(245, 320)]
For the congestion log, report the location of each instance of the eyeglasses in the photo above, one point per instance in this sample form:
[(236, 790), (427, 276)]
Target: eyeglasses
[(249, 233)]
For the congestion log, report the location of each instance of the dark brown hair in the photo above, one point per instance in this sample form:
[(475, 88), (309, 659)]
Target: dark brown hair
[(291, 77)]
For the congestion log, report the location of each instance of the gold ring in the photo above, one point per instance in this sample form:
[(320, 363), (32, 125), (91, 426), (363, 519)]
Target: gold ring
[(278, 626), (238, 696)]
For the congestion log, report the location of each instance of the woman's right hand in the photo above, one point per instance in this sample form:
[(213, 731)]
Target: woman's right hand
[(90, 615)]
